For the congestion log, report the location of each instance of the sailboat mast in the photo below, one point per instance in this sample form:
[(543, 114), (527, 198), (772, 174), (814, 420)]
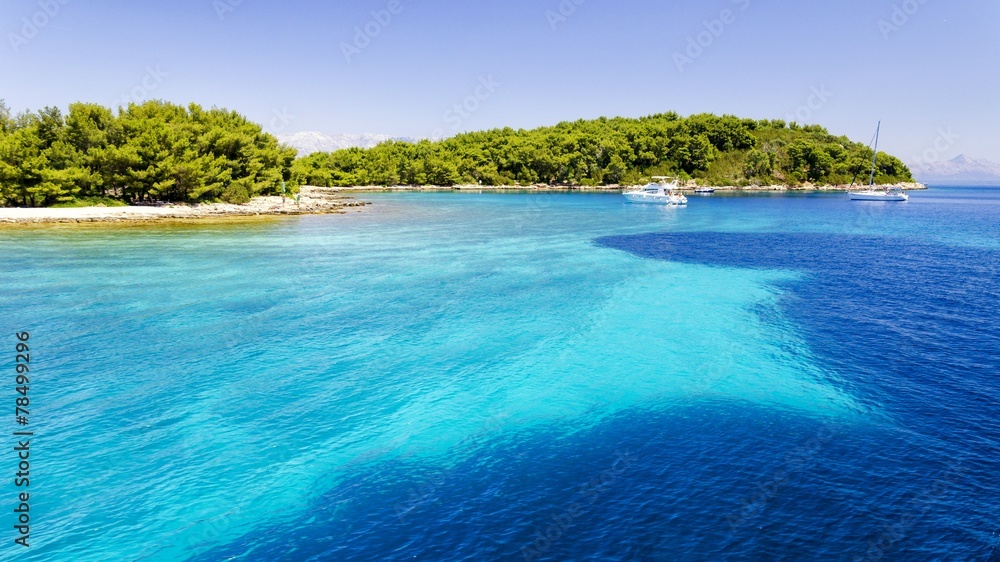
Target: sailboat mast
[(871, 180)]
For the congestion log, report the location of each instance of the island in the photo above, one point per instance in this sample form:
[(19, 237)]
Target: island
[(703, 149), (157, 160)]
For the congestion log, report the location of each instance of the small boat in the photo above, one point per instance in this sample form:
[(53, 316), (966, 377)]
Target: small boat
[(704, 190), (890, 193), (658, 192)]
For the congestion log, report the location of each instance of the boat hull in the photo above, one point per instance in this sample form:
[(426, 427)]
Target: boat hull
[(654, 199), (878, 196)]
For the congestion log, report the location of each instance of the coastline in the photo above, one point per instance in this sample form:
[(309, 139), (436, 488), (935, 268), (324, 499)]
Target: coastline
[(321, 201), (542, 188), (313, 201)]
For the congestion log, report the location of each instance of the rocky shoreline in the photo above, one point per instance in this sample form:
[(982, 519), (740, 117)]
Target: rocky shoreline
[(312, 201), (323, 201), (601, 188), (908, 186)]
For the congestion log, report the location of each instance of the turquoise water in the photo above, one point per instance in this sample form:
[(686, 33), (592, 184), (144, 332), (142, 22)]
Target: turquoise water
[(391, 383)]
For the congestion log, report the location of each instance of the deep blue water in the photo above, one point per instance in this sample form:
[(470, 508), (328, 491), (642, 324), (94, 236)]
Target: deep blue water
[(542, 377)]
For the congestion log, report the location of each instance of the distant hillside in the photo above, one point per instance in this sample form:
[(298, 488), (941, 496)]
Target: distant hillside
[(714, 150), (960, 169), (308, 142)]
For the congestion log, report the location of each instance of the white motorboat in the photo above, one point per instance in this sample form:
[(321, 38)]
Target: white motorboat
[(890, 193), (659, 192)]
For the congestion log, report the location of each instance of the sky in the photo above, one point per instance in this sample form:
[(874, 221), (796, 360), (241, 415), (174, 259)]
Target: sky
[(926, 68)]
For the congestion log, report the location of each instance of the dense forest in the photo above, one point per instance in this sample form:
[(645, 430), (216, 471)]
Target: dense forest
[(147, 152), (714, 150), (157, 151)]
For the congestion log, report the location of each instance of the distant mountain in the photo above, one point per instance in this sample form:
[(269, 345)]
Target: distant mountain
[(958, 170), (308, 142)]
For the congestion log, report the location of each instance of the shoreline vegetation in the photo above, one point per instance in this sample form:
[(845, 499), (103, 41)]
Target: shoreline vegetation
[(158, 160), (142, 154), (707, 149)]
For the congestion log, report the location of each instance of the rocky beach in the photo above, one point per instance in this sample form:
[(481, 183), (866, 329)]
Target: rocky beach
[(312, 201)]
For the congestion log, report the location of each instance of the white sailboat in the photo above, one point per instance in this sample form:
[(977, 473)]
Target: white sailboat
[(890, 193), (657, 192)]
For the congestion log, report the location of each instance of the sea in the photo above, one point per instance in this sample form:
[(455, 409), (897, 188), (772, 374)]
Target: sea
[(516, 376)]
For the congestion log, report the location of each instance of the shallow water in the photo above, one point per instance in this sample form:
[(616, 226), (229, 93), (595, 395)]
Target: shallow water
[(519, 376)]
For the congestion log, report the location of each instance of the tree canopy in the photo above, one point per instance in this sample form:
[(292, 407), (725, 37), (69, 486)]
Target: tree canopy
[(715, 150), (154, 151)]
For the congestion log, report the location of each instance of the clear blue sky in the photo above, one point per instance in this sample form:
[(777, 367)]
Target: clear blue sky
[(935, 71)]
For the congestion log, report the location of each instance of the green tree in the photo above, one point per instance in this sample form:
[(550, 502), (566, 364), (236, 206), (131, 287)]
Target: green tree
[(759, 165), (809, 161)]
